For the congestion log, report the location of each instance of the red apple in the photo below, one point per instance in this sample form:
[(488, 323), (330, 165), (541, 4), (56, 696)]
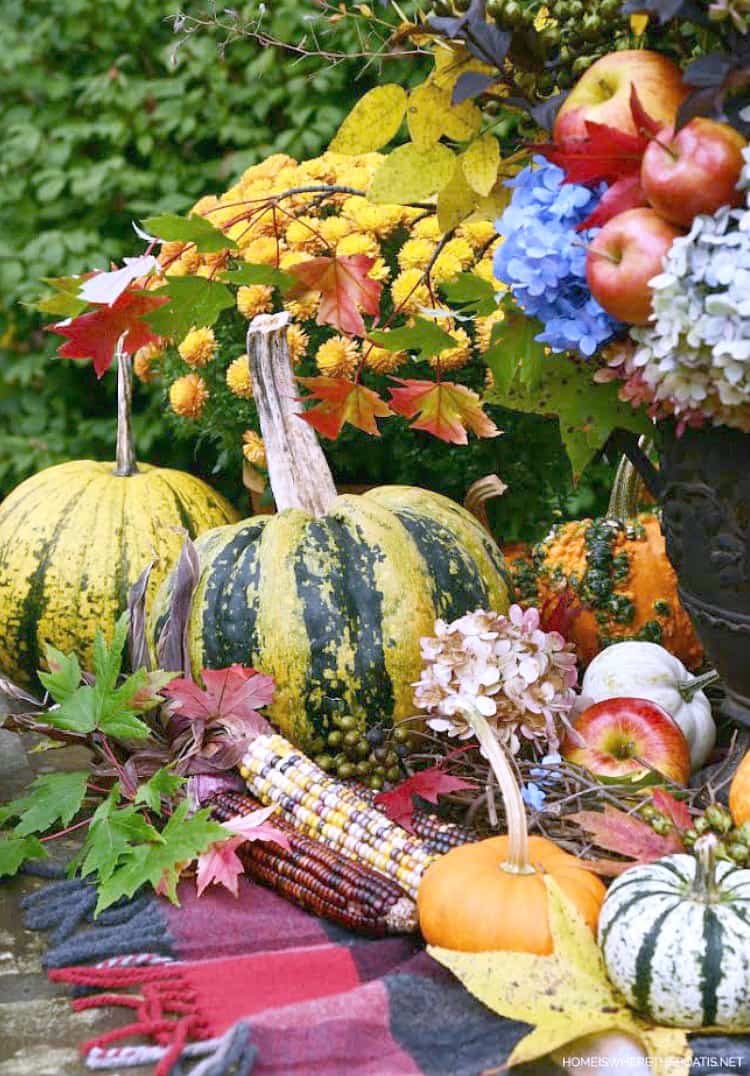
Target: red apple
[(602, 94), (620, 735), (694, 171), (626, 254)]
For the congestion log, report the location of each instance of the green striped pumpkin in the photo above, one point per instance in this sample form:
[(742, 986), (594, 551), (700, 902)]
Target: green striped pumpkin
[(331, 595), (333, 608), (75, 537), (675, 936)]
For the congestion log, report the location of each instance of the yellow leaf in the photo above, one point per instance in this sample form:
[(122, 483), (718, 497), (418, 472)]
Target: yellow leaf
[(481, 162), (561, 994), (639, 24), (462, 122), (492, 206), (409, 174), (456, 201), (373, 121), (425, 114)]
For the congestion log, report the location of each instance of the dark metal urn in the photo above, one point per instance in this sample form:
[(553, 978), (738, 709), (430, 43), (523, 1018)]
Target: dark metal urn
[(703, 485)]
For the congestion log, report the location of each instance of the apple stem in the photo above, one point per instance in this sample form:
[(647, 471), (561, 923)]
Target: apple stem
[(515, 812), (690, 688), (597, 253), (666, 148)]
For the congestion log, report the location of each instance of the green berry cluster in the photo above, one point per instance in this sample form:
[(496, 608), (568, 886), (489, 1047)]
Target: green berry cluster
[(372, 757), (733, 841)]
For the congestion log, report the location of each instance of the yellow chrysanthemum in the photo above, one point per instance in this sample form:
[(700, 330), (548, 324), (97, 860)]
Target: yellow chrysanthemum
[(484, 327), (320, 169), (298, 341), (171, 251), (201, 207), (198, 347), (477, 232), (291, 258), (337, 357), (190, 260), (334, 229), (376, 220), (238, 378), (489, 379), (460, 249), (187, 395), (253, 448), (446, 267), (484, 270), (382, 361), (254, 299), (302, 234), (211, 264), (261, 251), (358, 244), (303, 306), (427, 228), (416, 254), (144, 361), (380, 271), (409, 292), (453, 358)]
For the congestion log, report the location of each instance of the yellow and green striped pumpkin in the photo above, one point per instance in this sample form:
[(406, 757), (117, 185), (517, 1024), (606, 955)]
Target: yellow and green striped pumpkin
[(334, 607), (75, 537), (331, 595)]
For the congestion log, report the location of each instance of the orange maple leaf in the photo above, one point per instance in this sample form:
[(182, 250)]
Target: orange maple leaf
[(443, 409), (345, 289), (342, 401)]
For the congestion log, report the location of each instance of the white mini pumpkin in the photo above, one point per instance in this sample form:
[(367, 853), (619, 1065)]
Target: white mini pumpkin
[(648, 671), (675, 937)]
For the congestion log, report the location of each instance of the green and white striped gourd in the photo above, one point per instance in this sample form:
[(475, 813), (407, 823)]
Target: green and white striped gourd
[(331, 595), (675, 937)]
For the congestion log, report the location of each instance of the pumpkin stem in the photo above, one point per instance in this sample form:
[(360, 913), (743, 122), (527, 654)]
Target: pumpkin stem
[(704, 886), (125, 464), (627, 488), (689, 688), (515, 812), (297, 468)]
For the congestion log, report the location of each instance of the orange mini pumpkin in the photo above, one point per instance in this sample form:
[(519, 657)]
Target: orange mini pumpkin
[(491, 895), (739, 792)]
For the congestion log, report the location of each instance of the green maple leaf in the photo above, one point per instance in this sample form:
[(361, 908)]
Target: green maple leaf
[(103, 706), (425, 337), (208, 239), (51, 798), (193, 301), (162, 784), (113, 836), (182, 840), (260, 274), (15, 851), (65, 675), (471, 293), (557, 385)]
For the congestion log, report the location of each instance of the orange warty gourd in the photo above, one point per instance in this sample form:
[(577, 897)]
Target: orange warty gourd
[(739, 793), (491, 895), (617, 576)]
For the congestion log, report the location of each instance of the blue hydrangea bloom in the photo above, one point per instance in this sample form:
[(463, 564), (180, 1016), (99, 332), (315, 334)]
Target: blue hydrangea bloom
[(543, 259)]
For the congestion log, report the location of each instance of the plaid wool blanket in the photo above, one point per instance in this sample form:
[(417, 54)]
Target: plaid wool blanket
[(222, 986)]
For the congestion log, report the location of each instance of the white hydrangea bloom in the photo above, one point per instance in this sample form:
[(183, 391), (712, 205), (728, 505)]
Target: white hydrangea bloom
[(696, 354), (519, 677)]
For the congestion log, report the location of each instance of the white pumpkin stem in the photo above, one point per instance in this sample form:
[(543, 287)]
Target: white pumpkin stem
[(125, 464), (688, 689), (297, 468), (704, 886), (515, 812)]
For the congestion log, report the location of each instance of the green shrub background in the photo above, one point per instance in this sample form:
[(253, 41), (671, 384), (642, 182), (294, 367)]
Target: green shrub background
[(102, 123)]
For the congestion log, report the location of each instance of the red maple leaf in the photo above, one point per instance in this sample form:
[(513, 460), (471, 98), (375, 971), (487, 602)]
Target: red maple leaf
[(607, 153), (559, 610), (616, 831), (342, 401), (94, 335), (398, 804), (626, 193), (221, 865), (444, 409), (675, 810), (345, 289), (231, 699)]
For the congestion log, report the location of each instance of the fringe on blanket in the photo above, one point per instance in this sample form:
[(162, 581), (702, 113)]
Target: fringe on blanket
[(165, 1012), (133, 926)]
